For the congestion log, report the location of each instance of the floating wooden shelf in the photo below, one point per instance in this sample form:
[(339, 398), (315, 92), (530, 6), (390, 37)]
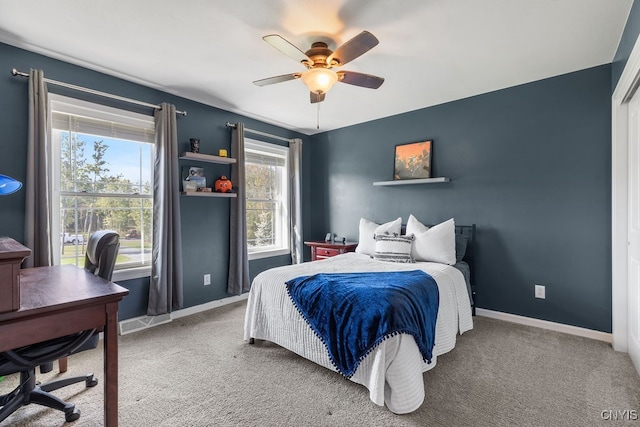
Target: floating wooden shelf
[(187, 155), (412, 181), (208, 194)]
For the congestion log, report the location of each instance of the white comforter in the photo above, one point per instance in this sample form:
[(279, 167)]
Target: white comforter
[(393, 371)]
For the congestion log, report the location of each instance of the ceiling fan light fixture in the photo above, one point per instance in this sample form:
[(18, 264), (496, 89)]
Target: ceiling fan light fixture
[(319, 80)]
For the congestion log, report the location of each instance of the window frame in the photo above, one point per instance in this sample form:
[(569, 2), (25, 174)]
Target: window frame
[(273, 150), (74, 106)]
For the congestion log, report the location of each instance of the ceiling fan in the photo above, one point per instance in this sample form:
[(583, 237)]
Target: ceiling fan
[(320, 61)]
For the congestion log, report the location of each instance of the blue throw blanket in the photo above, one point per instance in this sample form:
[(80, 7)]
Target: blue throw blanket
[(353, 312)]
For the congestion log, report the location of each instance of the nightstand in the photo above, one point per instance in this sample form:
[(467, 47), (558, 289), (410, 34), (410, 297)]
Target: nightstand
[(321, 249)]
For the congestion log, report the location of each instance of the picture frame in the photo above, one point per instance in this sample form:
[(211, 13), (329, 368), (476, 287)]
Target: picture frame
[(412, 160)]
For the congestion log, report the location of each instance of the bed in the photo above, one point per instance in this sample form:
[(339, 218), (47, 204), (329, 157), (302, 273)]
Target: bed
[(392, 371)]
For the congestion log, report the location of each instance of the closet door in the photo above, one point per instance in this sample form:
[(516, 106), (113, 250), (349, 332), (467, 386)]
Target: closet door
[(633, 261)]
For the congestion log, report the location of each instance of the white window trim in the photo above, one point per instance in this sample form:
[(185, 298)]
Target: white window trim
[(131, 273), (89, 109), (281, 151), (268, 253), (80, 107)]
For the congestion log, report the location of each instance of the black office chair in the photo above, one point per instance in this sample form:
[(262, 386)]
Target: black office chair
[(100, 259)]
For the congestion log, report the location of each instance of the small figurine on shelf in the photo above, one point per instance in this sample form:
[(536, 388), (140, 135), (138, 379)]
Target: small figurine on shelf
[(222, 152), (223, 185), (195, 145)]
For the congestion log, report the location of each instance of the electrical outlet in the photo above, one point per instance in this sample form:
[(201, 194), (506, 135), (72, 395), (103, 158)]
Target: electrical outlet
[(540, 291), (207, 279)]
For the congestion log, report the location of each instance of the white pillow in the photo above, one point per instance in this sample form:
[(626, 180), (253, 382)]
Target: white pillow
[(435, 244), (393, 248), (368, 229)]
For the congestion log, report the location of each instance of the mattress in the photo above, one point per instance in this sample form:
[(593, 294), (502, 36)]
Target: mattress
[(392, 372)]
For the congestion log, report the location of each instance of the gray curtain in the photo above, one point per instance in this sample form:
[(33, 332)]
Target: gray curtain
[(37, 230), (166, 288), (295, 199), (238, 255)]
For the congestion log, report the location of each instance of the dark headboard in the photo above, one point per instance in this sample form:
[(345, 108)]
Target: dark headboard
[(470, 232), (469, 257)]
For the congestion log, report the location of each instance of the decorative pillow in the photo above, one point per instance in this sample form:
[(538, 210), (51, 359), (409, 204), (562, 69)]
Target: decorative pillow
[(393, 248), (435, 244), (368, 229), (461, 246)]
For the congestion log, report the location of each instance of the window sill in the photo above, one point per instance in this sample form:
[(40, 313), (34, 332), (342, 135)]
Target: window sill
[(268, 254), (131, 273)]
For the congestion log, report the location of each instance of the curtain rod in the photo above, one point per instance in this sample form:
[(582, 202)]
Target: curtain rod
[(15, 72), (257, 132)]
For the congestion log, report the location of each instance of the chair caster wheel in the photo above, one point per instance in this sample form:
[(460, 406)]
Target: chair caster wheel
[(91, 381), (71, 413)]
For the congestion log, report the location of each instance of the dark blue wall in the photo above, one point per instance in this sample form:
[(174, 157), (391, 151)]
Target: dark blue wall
[(205, 221), (628, 39), (530, 165)]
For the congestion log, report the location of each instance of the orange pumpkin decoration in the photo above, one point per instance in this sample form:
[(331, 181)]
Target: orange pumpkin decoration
[(223, 185)]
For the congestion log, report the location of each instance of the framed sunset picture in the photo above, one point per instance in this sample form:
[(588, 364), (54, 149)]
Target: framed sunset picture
[(412, 161)]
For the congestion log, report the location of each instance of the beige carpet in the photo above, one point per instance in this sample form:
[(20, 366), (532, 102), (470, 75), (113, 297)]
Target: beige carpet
[(197, 371)]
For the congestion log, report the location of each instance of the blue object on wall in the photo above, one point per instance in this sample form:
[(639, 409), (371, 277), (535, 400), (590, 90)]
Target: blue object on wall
[(8, 185)]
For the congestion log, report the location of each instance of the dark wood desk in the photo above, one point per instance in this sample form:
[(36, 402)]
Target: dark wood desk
[(61, 300)]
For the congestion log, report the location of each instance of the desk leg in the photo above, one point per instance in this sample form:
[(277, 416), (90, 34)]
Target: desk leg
[(63, 364), (111, 366)]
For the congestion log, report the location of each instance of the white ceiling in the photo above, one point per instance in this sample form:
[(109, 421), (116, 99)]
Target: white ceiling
[(430, 51)]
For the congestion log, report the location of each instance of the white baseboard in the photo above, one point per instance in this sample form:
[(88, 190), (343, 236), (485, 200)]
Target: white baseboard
[(529, 321), (545, 324), (145, 322), (208, 306)]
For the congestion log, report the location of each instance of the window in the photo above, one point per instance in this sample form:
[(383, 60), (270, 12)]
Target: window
[(102, 173), (267, 199)]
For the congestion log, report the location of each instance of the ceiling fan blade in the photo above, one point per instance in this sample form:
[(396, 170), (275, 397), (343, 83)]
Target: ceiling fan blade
[(277, 79), (353, 48), (316, 97), (287, 48), (360, 79)]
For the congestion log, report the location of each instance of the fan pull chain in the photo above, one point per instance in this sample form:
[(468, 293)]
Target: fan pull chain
[(318, 116)]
